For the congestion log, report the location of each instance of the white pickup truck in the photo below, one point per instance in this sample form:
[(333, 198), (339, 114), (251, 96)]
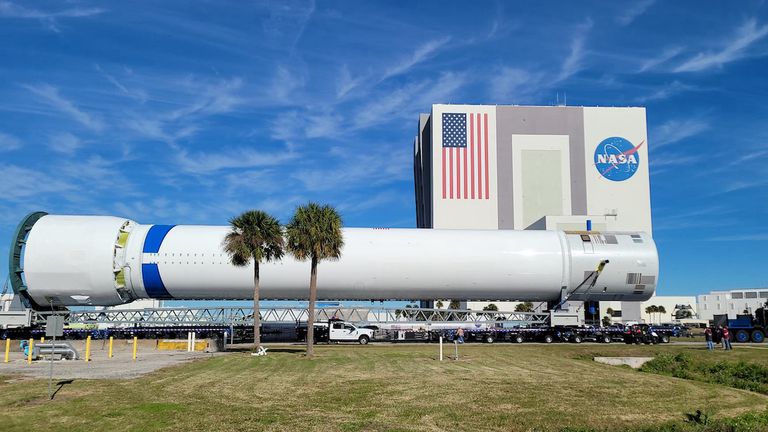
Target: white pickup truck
[(338, 331)]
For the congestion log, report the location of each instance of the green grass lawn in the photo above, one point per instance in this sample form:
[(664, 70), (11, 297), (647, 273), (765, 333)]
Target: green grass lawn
[(386, 387)]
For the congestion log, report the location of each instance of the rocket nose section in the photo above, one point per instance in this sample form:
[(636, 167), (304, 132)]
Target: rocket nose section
[(75, 260)]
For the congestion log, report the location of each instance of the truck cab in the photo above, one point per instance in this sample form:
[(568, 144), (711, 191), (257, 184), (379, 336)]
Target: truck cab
[(342, 331), (336, 330)]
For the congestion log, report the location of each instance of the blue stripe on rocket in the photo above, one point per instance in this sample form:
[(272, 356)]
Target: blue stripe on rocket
[(150, 273)]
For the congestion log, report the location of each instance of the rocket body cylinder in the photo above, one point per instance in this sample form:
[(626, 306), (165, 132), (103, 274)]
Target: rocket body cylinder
[(96, 260)]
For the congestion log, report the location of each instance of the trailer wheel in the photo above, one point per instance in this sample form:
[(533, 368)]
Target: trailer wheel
[(549, 338), (363, 340), (758, 336), (577, 339), (664, 339), (488, 339), (742, 336), (606, 339), (519, 339)]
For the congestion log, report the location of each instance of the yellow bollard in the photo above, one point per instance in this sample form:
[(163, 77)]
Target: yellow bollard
[(29, 350), (111, 339), (42, 339), (88, 349), (135, 345), (7, 350)]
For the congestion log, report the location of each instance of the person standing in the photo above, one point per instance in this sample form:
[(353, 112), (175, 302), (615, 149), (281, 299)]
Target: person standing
[(727, 339), (460, 335), (708, 338)]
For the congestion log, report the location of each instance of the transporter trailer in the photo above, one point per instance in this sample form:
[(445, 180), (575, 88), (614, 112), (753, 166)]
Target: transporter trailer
[(572, 334)]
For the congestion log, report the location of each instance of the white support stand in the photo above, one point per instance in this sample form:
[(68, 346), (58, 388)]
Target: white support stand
[(441, 348), (261, 352)]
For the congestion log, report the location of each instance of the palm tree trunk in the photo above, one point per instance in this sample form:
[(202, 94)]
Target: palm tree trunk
[(256, 312), (311, 317)]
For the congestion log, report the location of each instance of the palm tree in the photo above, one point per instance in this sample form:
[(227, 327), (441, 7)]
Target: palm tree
[(662, 311), (650, 310), (314, 233), (256, 236)]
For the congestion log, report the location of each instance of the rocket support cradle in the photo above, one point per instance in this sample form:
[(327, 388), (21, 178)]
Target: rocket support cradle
[(103, 260)]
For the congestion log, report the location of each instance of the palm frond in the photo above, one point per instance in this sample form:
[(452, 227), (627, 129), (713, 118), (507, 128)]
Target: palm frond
[(315, 231), (255, 236)]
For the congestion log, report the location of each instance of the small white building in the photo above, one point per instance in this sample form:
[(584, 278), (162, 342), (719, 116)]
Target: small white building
[(5, 302), (732, 302)]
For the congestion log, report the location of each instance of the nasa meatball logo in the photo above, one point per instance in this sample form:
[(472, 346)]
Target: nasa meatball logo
[(617, 159)]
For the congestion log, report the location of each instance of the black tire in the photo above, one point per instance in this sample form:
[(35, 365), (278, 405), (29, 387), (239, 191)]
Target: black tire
[(606, 339), (577, 339), (549, 339), (519, 339), (664, 338), (489, 339), (363, 340), (758, 336)]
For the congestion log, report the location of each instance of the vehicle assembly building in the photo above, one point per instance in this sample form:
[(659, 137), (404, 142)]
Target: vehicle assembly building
[(103, 261), (533, 168)]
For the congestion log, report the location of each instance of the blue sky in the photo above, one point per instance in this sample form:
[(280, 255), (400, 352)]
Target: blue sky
[(177, 112)]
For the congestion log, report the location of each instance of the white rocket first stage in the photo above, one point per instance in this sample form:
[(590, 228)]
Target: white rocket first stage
[(103, 260)]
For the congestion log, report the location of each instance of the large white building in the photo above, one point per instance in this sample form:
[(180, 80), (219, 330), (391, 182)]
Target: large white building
[(732, 302), (534, 167)]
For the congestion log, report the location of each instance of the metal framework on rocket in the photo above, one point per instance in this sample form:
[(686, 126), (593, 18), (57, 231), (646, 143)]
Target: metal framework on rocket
[(103, 261)]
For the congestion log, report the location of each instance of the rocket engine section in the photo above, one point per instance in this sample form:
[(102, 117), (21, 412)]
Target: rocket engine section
[(104, 261)]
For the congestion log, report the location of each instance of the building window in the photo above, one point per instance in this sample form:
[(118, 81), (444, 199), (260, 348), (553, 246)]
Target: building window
[(751, 295), (717, 298), (703, 298), (737, 295), (731, 306), (706, 306), (763, 294), (718, 306)]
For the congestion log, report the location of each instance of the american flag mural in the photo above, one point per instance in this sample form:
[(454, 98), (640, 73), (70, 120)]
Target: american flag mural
[(465, 156)]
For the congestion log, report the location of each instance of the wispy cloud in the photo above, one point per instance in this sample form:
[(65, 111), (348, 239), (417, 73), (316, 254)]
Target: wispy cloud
[(356, 170), (740, 237), (734, 48), (406, 101), (19, 182), (633, 10), (9, 142), (287, 21), (666, 91), (49, 18), (346, 83), (284, 84), (733, 185), (421, 54), (574, 62), (137, 94), (674, 219), (676, 130), (213, 98), (666, 55), (209, 162), (65, 143), (50, 95), (510, 84)]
